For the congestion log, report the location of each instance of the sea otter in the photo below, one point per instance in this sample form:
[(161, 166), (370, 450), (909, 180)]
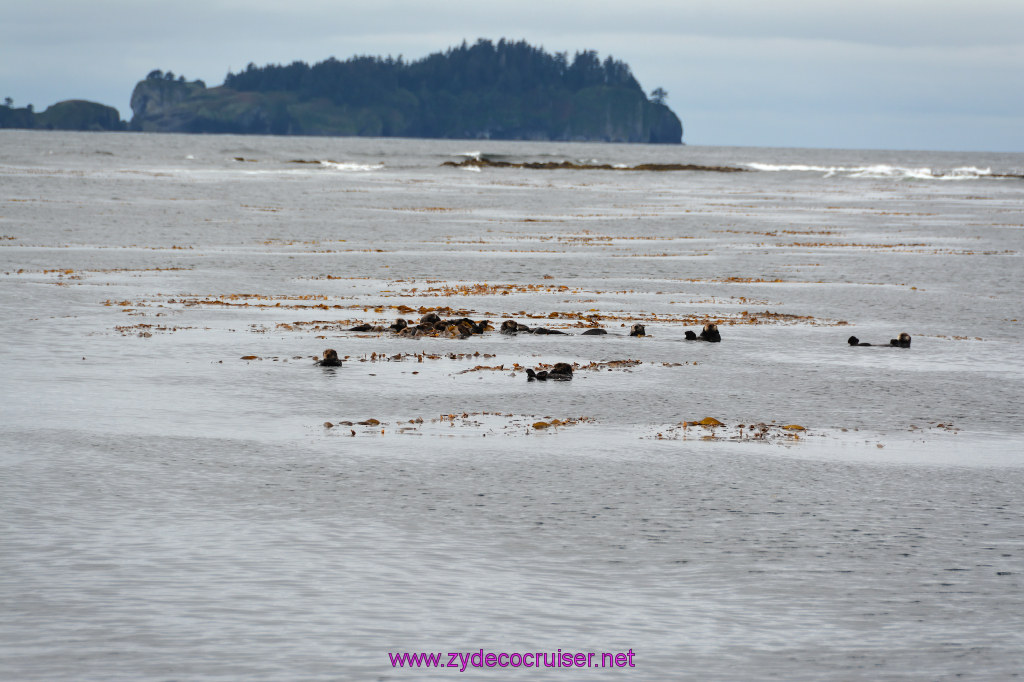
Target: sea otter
[(637, 330), (708, 333), (430, 318), (330, 359), (903, 341), (561, 371), (509, 327), (456, 330), (412, 332), (594, 332), (399, 325)]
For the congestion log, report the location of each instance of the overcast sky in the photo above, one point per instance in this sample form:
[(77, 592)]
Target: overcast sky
[(882, 74)]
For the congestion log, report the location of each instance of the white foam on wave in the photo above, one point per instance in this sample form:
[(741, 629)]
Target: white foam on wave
[(352, 166), (878, 171)]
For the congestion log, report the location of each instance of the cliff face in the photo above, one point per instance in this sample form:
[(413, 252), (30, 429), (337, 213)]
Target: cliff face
[(158, 105), (666, 128), (601, 113)]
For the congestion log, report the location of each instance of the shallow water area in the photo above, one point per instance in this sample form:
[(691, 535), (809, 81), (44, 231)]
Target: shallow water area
[(187, 495)]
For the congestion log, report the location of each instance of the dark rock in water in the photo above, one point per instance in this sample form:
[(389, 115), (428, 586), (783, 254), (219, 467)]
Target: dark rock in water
[(594, 332), (561, 371), (330, 359), (572, 165), (637, 330)]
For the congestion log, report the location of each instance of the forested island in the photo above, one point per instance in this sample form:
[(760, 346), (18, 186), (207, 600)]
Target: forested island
[(74, 114), (505, 90)]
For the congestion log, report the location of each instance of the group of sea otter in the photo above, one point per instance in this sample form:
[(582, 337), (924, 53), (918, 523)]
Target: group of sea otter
[(902, 341), (432, 324)]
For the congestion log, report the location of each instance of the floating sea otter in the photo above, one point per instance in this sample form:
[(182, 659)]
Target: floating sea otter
[(330, 359), (709, 333), (562, 371), (637, 330), (902, 341), (595, 332), (513, 327)]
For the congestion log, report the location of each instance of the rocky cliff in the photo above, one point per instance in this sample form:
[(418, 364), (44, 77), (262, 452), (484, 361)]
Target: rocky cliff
[(603, 114)]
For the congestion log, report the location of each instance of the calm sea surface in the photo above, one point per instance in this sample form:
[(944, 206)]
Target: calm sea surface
[(174, 505)]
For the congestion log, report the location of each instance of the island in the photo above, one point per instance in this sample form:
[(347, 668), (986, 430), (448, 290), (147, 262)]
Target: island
[(74, 114), (502, 91)]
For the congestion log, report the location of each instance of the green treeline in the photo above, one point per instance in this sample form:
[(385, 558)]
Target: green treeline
[(503, 90), (513, 68)]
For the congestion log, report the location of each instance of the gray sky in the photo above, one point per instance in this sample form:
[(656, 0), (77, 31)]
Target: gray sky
[(892, 74)]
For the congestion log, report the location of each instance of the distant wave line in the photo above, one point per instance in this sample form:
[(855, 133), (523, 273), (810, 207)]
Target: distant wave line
[(351, 166), (884, 171)]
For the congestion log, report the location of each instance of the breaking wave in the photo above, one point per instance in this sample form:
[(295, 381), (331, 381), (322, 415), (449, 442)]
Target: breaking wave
[(352, 166), (883, 171)]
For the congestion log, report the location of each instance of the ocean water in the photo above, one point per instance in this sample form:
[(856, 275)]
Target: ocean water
[(174, 505)]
